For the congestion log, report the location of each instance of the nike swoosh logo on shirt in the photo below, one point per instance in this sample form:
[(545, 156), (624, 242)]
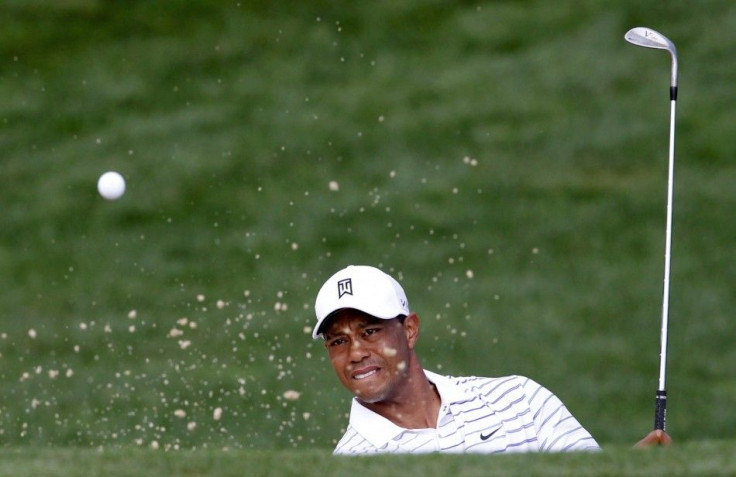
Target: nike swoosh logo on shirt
[(485, 437)]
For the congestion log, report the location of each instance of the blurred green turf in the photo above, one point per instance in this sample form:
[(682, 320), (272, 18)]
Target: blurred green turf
[(506, 160), (690, 459)]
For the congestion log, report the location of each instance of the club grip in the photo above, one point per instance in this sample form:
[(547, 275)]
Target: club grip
[(660, 410)]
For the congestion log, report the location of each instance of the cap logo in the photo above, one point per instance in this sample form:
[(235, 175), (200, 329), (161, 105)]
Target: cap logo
[(344, 287)]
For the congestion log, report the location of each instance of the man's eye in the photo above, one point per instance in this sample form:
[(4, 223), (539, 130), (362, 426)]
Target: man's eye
[(370, 331), (335, 342)]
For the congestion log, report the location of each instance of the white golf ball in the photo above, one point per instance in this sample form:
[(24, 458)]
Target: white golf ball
[(111, 185)]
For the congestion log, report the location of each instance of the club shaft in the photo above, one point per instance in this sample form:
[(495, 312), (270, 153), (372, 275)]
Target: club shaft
[(660, 407), (667, 250)]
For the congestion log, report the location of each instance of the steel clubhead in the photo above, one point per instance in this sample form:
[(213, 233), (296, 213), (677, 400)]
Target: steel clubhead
[(648, 38)]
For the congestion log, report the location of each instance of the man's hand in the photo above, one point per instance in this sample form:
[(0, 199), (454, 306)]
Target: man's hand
[(655, 438)]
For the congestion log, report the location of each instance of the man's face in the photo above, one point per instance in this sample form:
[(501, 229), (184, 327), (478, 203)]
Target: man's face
[(371, 356)]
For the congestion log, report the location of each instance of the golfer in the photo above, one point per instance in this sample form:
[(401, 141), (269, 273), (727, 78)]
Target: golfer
[(370, 334)]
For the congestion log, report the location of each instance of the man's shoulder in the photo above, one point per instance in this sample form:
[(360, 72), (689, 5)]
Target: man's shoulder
[(493, 389), (484, 381)]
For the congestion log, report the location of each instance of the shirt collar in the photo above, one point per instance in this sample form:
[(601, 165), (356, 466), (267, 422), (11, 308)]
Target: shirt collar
[(450, 392), (375, 428), (378, 430)]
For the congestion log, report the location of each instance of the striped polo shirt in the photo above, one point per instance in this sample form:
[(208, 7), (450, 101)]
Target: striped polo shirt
[(480, 415)]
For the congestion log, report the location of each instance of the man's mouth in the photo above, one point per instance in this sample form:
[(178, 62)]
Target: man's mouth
[(365, 373)]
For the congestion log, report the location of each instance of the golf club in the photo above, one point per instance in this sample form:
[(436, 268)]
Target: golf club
[(648, 38)]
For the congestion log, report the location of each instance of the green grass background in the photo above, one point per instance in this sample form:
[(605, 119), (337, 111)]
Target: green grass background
[(506, 160)]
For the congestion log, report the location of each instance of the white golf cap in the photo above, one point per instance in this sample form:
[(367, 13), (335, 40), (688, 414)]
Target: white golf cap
[(362, 288)]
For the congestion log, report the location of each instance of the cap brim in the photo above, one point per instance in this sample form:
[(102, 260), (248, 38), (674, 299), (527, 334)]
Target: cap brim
[(320, 328)]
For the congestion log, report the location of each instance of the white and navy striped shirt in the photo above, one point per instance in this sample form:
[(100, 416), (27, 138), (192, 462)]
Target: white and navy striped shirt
[(480, 415)]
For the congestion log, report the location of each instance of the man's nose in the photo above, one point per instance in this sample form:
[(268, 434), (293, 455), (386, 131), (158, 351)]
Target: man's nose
[(358, 351)]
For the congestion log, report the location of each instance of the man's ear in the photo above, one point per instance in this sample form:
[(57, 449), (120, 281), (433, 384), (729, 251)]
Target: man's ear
[(411, 328)]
